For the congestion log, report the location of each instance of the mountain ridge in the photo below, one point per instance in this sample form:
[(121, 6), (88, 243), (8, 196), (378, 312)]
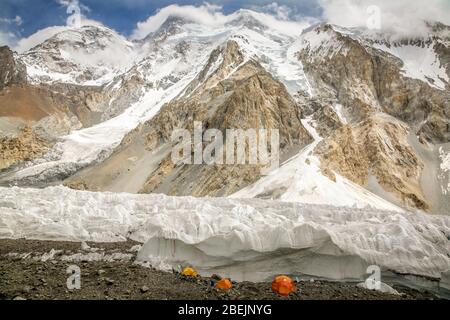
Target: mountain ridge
[(334, 78)]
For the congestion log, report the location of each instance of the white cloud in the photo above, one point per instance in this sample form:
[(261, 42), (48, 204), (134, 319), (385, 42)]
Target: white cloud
[(74, 3), (212, 15), (401, 17), (205, 14), (282, 12), (25, 44), (7, 39), (17, 20)]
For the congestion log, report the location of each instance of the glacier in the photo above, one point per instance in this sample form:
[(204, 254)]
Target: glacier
[(246, 239)]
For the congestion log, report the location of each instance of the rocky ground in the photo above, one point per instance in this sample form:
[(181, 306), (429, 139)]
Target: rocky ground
[(37, 270)]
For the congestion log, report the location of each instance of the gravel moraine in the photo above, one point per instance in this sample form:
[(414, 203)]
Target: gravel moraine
[(111, 274)]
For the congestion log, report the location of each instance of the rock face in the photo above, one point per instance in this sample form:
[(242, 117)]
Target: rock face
[(268, 106), (376, 150), (328, 119), (11, 70), (227, 94), (24, 147), (380, 103), (54, 114), (364, 78), (246, 98)]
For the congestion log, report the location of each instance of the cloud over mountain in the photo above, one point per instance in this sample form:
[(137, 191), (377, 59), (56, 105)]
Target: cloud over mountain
[(402, 17)]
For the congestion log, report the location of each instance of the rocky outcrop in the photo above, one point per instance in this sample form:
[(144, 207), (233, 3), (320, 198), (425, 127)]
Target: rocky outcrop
[(170, 27), (12, 71), (383, 104), (376, 148), (25, 146), (365, 79), (328, 121)]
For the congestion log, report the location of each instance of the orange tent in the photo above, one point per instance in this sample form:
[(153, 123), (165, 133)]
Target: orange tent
[(224, 284), (283, 286)]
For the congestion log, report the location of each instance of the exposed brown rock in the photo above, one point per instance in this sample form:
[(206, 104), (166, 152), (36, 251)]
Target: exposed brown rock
[(328, 120), (368, 83), (364, 79), (46, 111), (11, 70), (79, 185), (377, 146), (28, 103), (25, 147)]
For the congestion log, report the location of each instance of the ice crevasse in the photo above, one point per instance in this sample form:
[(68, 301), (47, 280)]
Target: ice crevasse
[(248, 239)]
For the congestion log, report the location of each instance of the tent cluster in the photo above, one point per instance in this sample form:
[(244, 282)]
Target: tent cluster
[(281, 285)]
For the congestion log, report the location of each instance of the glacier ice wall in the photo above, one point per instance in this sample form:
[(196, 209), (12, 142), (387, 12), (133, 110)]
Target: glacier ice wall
[(248, 239)]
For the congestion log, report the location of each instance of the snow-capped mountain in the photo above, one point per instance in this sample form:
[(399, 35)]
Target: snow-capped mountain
[(90, 55), (356, 72), (375, 94)]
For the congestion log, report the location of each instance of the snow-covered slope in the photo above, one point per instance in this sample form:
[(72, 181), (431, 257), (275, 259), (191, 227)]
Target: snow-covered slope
[(90, 55), (445, 170), (419, 62), (247, 239), (300, 180)]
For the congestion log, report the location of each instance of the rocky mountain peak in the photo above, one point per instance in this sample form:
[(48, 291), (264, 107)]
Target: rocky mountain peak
[(247, 19), (92, 36), (221, 63), (235, 94), (172, 26)]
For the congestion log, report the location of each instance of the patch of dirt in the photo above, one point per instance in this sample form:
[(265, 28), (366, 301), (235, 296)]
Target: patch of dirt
[(28, 103)]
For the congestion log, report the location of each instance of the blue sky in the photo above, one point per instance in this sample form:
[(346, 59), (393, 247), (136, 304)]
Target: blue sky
[(21, 18), (122, 15)]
